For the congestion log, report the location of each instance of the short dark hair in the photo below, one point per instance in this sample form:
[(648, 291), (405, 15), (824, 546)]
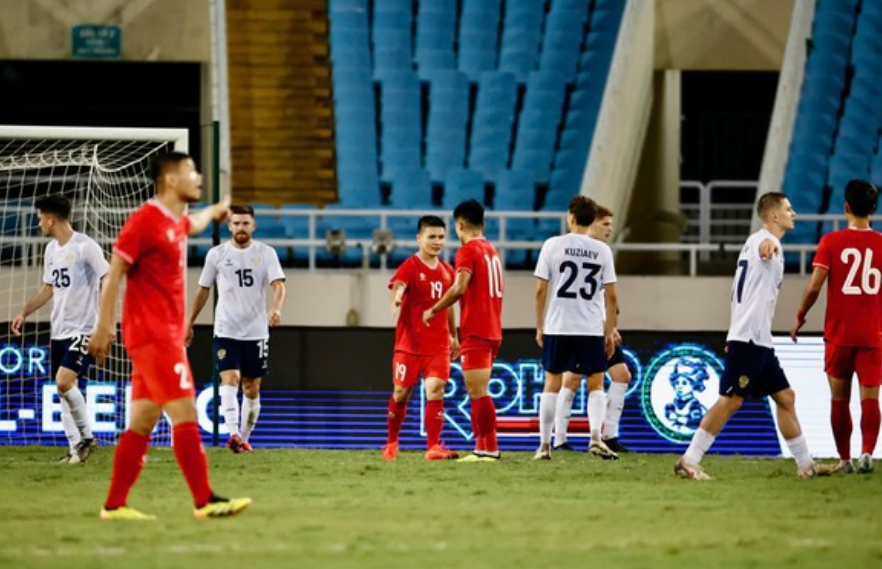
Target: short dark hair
[(430, 221), (768, 201), (470, 211), (583, 209), (861, 197), (55, 204), (164, 162), (602, 212), (242, 209)]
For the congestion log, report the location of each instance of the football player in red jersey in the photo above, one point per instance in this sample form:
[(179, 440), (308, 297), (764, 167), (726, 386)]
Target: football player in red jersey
[(423, 352), (149, 253), (850, 261), (478, 288)]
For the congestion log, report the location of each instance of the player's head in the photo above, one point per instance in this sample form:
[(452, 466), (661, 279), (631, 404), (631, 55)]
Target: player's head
[(176, 172), (861, 198), (774, 209), (469, 217), (431, 235), (581, 212), (602, 227), (52, 210), (241, 223)]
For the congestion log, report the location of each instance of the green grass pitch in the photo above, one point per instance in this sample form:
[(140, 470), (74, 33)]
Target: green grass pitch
[(329, 509)]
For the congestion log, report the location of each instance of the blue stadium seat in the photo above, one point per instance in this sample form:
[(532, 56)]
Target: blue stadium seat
[(412, 188), (461, 185)]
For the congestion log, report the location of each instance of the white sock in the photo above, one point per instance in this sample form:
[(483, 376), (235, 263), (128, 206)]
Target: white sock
[(701, 442), (547, 405), (615, 402), (799, 449), (596, 413), (250, 412), (562, 413), (230, 407), (78, 411), (70, 428)]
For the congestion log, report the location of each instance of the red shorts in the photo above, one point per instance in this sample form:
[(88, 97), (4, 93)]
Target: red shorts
[(842, 362), (408, 368), (478, 353), (161, 373)]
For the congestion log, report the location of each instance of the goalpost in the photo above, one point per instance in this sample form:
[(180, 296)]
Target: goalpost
[(105, 173)]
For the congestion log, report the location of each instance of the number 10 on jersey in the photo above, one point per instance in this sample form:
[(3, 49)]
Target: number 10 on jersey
[(494, 272)]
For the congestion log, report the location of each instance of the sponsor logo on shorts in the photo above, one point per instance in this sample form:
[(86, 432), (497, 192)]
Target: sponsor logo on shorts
[(221, 354), (743, 381)]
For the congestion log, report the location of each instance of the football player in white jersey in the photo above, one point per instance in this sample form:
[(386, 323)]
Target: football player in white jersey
[(570, 325), (73, 266), (616, 368), (752, 368), (243, 268)]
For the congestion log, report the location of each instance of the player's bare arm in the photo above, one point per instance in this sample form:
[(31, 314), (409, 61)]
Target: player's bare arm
[(454, 339), (104, 333), (768, 249), (279, 295), (540, 298), (612, 318), (396, 295), (454, 293), (198, 304), (218, 212), (809, 297), (41, 297)]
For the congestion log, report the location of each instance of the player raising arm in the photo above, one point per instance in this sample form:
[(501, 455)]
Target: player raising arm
[(752, 368), (478, 287), (578, 272), (420, 351), (73, 267), (850, 261), (150, 253), (243, 268)]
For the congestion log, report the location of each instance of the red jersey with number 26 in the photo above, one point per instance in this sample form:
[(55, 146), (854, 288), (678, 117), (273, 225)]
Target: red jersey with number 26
[(424, 286), (152, 243), (481, 305), (853, 258)]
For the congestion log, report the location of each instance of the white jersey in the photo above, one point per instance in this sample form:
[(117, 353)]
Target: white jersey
[(74, 271), (577, 268), (242, 279), (755, 292)]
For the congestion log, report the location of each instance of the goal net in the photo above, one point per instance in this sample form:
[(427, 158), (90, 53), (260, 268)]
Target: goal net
[(106, 175)]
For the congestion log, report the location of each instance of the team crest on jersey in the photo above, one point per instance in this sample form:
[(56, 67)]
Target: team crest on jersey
[(70, 257), (679, 386), (256, 260), (221, 354), (422, 277), (743, 381), (170, 234)]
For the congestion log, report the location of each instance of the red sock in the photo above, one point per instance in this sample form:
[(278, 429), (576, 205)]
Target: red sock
[(191, 459), (434, 422), (128, 461), (840, 420), (870, 419), (486, 414), (397, 413), (476, 428)]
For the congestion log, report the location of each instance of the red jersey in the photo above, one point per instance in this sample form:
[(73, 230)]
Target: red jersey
[(152, 243), (424, 286), (853, 258), (481, 305)]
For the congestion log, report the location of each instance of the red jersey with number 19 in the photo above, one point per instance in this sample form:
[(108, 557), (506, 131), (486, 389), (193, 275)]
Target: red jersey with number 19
[(481, 305), (853, 258), (152, 243), (424, 285)]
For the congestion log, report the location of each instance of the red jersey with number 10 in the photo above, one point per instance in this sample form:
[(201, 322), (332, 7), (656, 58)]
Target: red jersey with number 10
[(853, 258), (152, 243), (481, 305), (424, 286)]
